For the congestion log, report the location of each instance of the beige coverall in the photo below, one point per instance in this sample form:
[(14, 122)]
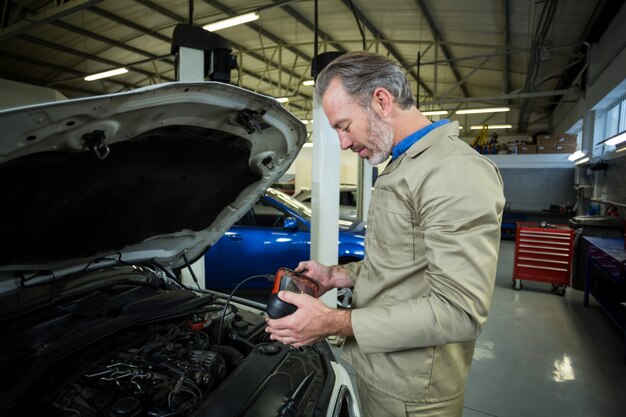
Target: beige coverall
[(423, 291)]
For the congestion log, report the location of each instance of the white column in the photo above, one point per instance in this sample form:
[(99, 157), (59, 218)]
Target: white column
[(325, 195), (190, 64), (364, 188)]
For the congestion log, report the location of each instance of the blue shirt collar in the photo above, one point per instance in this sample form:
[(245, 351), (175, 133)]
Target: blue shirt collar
[(407, 142)]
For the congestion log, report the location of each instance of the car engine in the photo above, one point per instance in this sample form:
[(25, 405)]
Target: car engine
[(168, 374), (142, 348)]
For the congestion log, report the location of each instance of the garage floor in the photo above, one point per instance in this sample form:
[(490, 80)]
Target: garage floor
[(544, 355)]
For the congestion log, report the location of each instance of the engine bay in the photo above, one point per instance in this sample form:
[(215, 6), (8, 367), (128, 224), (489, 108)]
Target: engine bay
[(150, 348)]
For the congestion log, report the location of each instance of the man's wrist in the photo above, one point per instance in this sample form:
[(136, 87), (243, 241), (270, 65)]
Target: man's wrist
[(341, 323), (340, 278)]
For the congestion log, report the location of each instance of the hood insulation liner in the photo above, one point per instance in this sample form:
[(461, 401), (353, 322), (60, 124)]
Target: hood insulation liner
[(60, 205)]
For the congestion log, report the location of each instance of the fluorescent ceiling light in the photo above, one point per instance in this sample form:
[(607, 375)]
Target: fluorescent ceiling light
[(308, 145), (233, 21), (308, 82), (478, 127), (616, 140), (434, 112), (576, 155), (282, 99), (489, 110), (582, 161), (106, 74)]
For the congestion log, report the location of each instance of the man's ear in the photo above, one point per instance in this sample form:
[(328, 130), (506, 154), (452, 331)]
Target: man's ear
[(382, 102)]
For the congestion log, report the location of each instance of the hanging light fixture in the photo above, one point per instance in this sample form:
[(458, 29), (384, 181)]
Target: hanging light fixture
[(478, 127), (486, 110), (232, 21), (106, 74), (434, 112), (576, 156)]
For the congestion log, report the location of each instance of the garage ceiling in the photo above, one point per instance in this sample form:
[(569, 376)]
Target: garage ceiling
[(524, 54)]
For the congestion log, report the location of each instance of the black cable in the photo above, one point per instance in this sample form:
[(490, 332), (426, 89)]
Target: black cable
[(289, 408), (358, 23), (315, 40), (219, 330)]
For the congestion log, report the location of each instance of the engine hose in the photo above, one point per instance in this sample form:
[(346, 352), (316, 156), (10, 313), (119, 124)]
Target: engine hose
[(233, 356)]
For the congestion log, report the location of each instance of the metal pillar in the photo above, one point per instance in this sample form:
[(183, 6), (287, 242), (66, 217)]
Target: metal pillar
[(364, 191), (325, 195)]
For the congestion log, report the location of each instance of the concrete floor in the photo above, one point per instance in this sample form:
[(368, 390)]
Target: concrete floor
[(543, 355)]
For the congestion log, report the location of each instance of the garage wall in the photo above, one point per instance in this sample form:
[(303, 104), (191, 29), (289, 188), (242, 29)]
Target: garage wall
[(14, 94), (606, 79), (348, 170), (537, 189), (615, 183)]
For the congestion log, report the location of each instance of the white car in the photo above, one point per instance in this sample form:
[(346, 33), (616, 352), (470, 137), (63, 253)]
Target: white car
[(104, 201), (347, 200)]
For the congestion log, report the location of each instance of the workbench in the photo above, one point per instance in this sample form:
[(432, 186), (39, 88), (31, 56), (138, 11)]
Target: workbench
[(605, 278)]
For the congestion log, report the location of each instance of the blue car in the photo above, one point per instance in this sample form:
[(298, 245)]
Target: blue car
[(275, 233)]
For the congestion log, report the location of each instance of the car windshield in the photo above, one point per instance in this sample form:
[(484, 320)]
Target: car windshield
[(290, 202), (301, 208)]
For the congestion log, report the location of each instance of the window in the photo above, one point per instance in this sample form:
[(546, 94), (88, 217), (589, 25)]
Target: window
[(609, 122)]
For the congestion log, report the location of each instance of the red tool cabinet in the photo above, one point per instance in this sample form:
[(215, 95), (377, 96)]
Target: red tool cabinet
[(543, 252)]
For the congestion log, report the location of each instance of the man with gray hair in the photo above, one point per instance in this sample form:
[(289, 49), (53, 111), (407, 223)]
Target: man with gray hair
[(422, 293)]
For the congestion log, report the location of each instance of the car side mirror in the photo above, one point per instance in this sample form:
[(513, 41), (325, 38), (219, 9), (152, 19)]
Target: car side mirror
[(290, 223)]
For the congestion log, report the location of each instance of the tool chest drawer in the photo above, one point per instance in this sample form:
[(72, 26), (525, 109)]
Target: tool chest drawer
[(543, 252)]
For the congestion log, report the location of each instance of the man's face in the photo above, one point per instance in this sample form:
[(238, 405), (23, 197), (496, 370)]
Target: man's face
[(360, 130)]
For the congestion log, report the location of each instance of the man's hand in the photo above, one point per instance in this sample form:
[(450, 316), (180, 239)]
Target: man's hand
[(328, 277), (312, 322)]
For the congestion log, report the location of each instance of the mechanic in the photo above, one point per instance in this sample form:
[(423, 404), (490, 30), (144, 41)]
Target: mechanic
[(422, 293)]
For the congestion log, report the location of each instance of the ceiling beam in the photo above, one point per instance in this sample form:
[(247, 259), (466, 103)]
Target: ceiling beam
[(539, 40), (603, 14), (124, 22), (59, 68), (304, 21), (109, 41), (47, 16), (469, 74), (161, 10), (506, 74), (444, 47), (393, 51), (175, 17), (70, 51), (230, 12), (536, 94)]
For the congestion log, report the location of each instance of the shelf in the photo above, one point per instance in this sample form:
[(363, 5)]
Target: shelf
[(556, 160), (612, 203)]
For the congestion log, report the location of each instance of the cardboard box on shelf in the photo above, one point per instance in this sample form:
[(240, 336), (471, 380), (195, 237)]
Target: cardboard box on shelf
[(546, 140), (566, 147), (546, 148), (563, 139), (527, 148)]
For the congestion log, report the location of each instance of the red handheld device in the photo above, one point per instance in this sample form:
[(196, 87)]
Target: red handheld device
[(289, 280)]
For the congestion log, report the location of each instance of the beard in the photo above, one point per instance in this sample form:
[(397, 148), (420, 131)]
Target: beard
[(379, 141)]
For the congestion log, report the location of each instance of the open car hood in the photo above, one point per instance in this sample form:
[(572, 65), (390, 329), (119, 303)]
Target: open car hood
[(158, 173)]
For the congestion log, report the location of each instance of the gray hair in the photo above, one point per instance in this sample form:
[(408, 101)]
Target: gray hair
[(363, 72)]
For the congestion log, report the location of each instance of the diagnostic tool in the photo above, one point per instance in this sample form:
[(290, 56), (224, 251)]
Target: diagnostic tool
[(289, 280)]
